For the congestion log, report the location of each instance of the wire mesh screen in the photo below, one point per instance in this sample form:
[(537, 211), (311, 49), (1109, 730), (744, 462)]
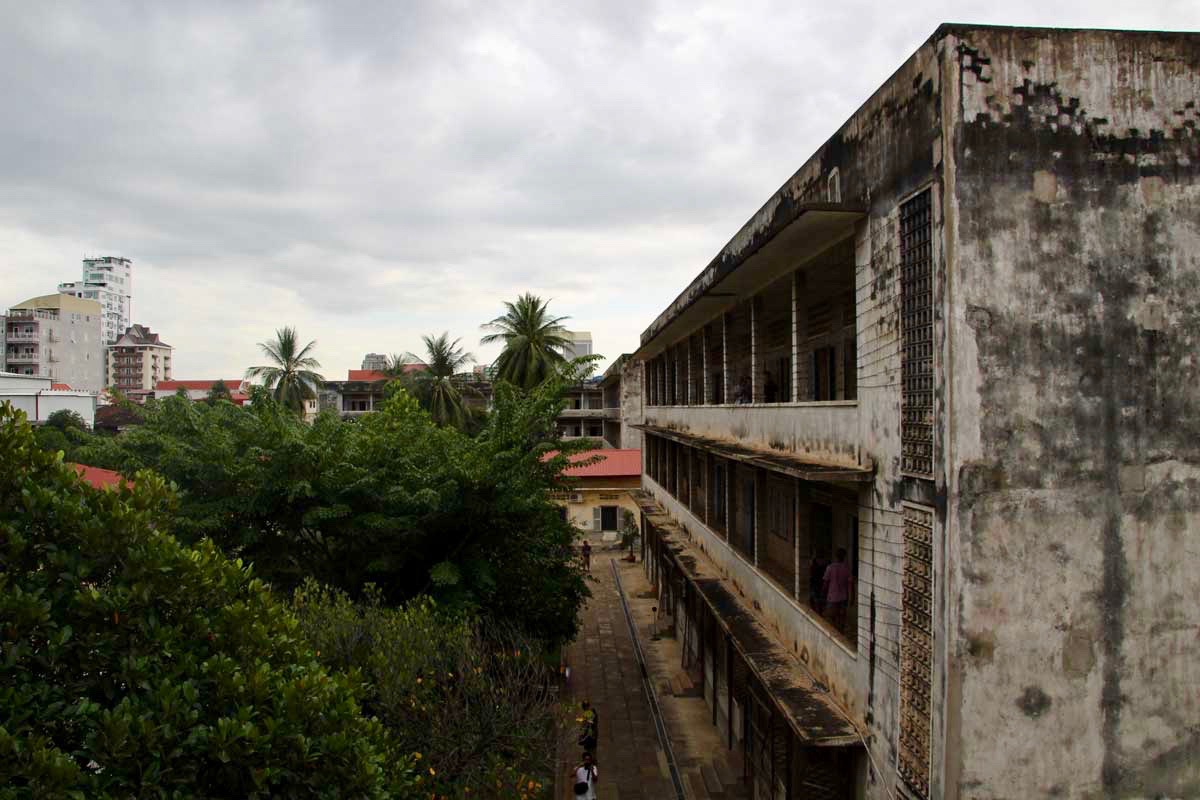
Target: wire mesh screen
[(916, 321)]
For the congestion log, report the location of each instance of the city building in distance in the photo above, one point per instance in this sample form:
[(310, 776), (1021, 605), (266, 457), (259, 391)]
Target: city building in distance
[(580, 344), (109, 281), (57, 336), (375, 362), (138, 360), (922, 441)]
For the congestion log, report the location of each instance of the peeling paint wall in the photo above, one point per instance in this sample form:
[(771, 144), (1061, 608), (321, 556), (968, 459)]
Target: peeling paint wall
[(1073, 414)]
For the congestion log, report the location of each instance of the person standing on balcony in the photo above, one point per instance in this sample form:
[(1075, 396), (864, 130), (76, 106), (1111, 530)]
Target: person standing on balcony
[(837, 590)]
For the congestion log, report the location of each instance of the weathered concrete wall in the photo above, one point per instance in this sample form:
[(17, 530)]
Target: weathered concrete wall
[(1074, 321), (631, 405)]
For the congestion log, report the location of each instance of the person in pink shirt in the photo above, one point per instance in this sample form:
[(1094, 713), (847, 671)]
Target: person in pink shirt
[(837, 584)]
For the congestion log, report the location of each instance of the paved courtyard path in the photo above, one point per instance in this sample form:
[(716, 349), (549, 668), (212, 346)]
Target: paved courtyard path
[(604, 670)]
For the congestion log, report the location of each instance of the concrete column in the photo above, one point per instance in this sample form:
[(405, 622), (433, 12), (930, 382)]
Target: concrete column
[(725, 358), (687, 378), (795, 531), (795, 376), (755, 380), (705, 389)]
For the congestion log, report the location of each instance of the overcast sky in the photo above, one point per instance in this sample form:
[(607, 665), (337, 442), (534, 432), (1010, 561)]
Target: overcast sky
[(370, 172)]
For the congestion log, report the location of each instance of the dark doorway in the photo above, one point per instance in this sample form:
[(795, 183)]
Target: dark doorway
[(608, 518)]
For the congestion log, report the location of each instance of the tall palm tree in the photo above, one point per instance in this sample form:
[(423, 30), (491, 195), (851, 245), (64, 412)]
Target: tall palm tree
[(533, 341), (440, 386), (291, 377)]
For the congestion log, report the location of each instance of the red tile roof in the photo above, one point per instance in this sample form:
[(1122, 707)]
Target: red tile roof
[(60, 387), (376, 375), (612, 464), (171, 386), (99, 478)]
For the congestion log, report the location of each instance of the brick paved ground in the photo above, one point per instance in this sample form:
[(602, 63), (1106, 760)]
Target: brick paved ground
[(605, 671)]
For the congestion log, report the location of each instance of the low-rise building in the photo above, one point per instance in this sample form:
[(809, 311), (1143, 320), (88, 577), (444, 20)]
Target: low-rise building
[(239, 391), (955, 354), (600, 494), (138, 360), (56, 336), (40, 397)]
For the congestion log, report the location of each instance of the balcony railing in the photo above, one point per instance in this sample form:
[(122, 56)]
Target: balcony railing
[(829, 430), (23, 358), (583, 413)]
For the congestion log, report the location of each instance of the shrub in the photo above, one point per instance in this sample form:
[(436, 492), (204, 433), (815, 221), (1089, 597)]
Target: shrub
[(132, 666), (472, 703)]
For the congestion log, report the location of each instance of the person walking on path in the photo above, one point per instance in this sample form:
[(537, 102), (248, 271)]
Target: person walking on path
[(585, 778), (587, 555), (589, 732)]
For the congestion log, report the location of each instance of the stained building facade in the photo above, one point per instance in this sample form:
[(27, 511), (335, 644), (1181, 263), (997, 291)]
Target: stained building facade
[(956, 354)]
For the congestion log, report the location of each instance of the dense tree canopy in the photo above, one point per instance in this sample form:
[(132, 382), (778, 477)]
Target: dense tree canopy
[(390, 498), (133, 666)]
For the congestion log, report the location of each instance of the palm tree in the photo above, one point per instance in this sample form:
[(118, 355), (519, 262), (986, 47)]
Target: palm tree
[(290, 379), (439, 385), (533, 341)]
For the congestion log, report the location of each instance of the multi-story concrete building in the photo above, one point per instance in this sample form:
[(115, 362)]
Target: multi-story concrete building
[(109, 281), (59, 337), (959, 345), (138, 360), (584, 413), (622, 387)]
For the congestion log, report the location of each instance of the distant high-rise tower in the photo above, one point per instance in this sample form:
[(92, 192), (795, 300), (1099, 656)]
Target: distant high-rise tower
[(580, 344), (375, 361), (109, 281)]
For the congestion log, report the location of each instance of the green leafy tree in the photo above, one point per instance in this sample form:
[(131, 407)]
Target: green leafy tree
[(440, 387), (134, 666), (290, 377), (472, 701), (533, 341), (65, 419), (218, 392)]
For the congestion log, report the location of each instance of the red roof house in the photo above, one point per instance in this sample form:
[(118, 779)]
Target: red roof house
[(611, 464), (100, 478)]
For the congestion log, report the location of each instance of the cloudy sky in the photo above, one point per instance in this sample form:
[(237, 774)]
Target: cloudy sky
[(370, 172)]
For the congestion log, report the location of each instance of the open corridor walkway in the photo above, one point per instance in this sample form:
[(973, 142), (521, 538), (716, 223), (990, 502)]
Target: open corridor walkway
[(605, 671)]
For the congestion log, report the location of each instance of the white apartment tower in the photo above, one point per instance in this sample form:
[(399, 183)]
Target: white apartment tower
[(109, 281)]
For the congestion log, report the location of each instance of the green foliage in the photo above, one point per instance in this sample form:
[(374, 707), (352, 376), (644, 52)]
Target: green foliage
[(383, 499), (533, 342), (218, 392), (471, 703), (290, 377), (133, 666), (65, 419)]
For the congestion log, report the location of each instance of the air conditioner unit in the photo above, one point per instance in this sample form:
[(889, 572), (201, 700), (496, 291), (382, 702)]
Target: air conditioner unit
[(575, 497)]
